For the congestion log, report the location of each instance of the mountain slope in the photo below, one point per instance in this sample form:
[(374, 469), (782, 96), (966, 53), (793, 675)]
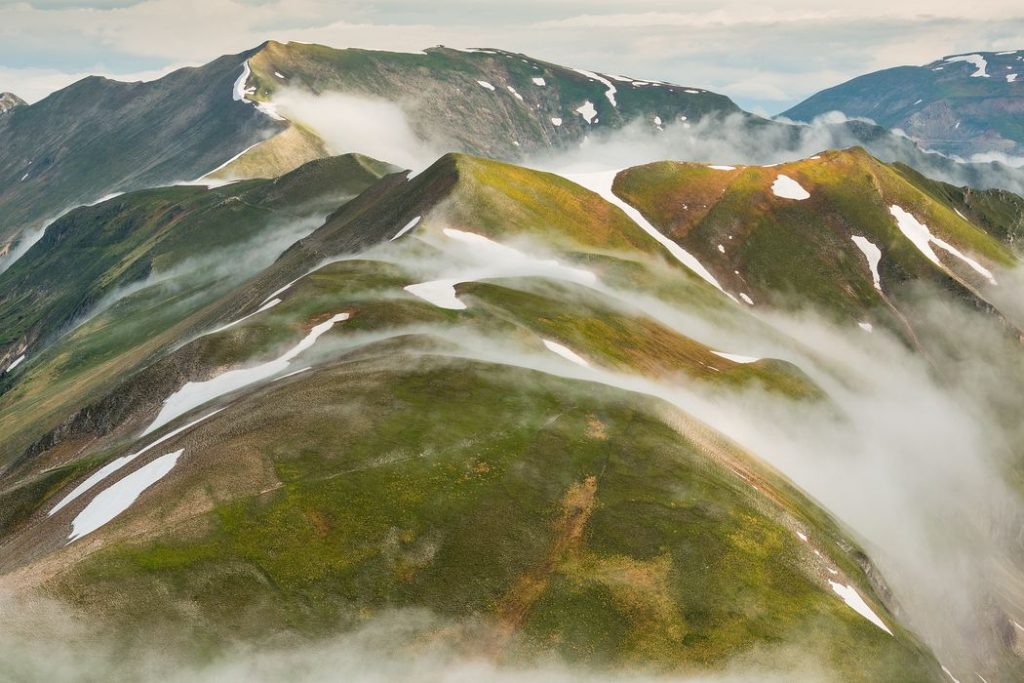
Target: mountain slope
[(474, 457), (963, 105), (99, 136), (514, 400), (841, 232), (8, 101), (485, 102)]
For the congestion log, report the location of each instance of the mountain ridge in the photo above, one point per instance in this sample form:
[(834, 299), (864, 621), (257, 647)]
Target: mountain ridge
[(966, 104)]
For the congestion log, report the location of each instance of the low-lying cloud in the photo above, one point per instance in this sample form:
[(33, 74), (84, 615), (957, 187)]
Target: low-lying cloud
[(372, 126)]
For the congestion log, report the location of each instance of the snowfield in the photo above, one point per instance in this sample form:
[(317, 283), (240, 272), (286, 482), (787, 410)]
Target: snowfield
[(787, 188), (736, 358), (114, 500), (116, 464), (609, 93), (441, 293), (873, 254), (601, 183), (852, 598), (979, 62), (497, 260), (565, 352), (408, 226), (587, 111), (922, 238), (195, 394)]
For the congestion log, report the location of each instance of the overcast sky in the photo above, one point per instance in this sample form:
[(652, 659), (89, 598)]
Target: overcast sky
[(766, 55)]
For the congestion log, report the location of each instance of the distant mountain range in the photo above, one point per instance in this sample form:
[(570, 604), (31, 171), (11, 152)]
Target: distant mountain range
[(964, 105)]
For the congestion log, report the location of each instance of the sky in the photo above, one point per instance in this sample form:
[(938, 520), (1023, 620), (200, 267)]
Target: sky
[(767, 55)]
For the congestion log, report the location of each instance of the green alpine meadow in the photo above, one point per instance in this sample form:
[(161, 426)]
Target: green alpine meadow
[(459, 364)]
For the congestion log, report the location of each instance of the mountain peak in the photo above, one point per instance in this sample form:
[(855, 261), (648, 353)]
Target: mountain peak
[(9, 101)]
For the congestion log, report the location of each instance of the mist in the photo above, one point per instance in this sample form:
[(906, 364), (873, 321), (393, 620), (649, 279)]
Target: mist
[(733, 139), (44, 640), (371, 126), (917, 453), (914, 453)]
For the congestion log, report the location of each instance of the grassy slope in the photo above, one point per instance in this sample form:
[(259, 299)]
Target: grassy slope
[(174, 231), (407, 479), (795, 253), (565, 513)]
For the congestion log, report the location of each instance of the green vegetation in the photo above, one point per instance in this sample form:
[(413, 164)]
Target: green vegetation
[(560, 511)]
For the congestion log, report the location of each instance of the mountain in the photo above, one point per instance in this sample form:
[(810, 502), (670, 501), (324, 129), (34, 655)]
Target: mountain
[(8, 101), (98, 137), (964, 105), (515, 401), (266, 111)]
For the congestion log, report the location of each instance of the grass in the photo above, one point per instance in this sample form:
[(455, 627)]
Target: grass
[(446, 489), (799, 253)]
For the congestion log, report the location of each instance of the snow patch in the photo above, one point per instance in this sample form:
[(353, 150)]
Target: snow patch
[(266, 305), (852, 598), (587, 111), (501, 261), (282, 290), (867, 327), (736, 358), (408, 226), (1010, 78), (565, 352), (609, 93), (787, 188), (555, 120), (977, 60), (17, 361), (922, 238), (485, 84), (515, 93), (537, 80), (746, 299), (723, 168), (873, 255), (240, 93), (116, 464), (195, 394), (441, 293), (949, 673), (601, 183), (114, 500)]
